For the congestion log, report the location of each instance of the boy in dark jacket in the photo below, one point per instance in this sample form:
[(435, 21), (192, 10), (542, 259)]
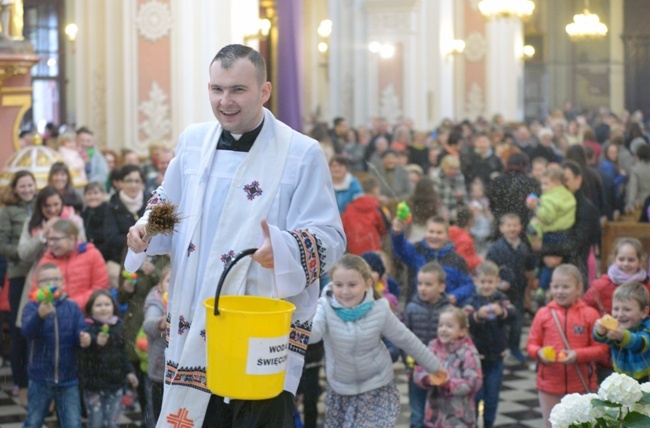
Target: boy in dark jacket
[(516, 263), (421, 317), (52, 329), (489, 311), (435, 247), (93, 216)]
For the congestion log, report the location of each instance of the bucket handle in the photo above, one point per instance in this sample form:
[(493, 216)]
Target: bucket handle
[(230, 265)]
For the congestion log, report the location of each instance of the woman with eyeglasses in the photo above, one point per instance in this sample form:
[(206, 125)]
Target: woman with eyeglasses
[(124, 209), (48, 207), (18, 203)]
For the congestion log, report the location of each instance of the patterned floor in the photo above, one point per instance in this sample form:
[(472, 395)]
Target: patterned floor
[(518, 406)]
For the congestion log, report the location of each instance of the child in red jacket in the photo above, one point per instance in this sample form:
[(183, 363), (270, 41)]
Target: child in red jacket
[(628, 254), (561, 341), (364, 221), (460, 235)]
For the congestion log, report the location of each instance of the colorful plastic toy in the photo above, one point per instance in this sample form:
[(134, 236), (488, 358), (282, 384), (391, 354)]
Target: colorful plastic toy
[(531, 197), (164, 298), (404, 212), (46, 294), (133, 276), (549, 353), (105, 329)]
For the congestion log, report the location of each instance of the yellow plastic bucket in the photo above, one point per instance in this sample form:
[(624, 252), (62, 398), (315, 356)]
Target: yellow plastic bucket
[(247, 341)]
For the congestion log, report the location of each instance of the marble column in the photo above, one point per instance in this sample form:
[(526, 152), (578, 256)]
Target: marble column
[(505, 68)]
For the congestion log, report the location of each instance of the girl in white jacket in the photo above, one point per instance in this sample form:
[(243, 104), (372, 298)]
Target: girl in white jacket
[(352, 321)]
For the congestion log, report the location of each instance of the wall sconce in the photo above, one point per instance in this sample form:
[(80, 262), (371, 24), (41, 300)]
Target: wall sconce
[(71, 31), (263, 29), (528, 52), (457, 47), (385, 50)]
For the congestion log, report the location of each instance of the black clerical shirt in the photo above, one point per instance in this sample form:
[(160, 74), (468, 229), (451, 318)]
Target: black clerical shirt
[(245, 142)]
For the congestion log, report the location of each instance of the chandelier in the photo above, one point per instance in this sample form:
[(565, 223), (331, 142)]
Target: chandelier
[(506, 8), (586, 25)]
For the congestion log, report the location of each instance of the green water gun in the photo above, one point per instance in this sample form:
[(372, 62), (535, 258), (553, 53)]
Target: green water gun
[(404, 212)]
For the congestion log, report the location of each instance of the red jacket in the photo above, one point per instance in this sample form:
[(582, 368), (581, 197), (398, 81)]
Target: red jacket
[(464, 243), (577, 322), (364, 225), (84, 271), (599, 295)]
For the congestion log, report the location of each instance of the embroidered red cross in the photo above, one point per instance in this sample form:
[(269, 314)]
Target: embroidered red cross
[(180, 420)]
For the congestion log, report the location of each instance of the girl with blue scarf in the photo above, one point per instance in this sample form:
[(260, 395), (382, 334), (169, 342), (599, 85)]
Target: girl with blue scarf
[(352, 320)]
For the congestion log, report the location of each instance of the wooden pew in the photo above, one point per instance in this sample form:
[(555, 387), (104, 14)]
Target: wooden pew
[(614, 230)]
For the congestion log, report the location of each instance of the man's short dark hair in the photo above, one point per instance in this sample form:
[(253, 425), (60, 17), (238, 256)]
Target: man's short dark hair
[(573, 167), (229, 54), (454, 137), (338, 120)]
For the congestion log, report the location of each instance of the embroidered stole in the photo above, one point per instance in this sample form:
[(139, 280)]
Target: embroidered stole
[(250, 197)]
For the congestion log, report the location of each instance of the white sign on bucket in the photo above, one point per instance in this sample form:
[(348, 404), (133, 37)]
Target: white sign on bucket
[(267, 355)]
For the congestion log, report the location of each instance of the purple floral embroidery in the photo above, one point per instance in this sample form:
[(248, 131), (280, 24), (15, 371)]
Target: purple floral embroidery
[(227, 257), (252, 190), (183, 325), (191, 249)]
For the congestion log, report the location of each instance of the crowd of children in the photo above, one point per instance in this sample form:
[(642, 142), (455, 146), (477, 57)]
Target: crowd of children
[(444, 290)]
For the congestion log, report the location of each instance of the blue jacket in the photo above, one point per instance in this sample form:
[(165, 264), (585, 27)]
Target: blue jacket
[(459, 281), (513, 265), (632, 354), (53, 342), (490, 335)]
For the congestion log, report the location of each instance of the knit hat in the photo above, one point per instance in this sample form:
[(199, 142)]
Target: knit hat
[(375, 262)]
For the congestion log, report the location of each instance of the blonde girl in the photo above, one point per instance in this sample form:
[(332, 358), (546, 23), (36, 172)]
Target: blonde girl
[(627, 266), (561, 340), (352, 319)]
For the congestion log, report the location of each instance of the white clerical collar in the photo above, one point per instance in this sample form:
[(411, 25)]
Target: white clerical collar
[(238, 136)]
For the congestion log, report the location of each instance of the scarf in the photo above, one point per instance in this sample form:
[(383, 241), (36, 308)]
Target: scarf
[(353, 314), (133, 205), (619, 277)]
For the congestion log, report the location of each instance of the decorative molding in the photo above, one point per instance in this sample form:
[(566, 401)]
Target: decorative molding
[(475, 104), (476, 47), (391, 22), (154, 20), (389, 104), (157, 127)]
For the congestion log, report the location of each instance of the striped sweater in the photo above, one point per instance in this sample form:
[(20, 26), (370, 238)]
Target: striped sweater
[(630, 356)]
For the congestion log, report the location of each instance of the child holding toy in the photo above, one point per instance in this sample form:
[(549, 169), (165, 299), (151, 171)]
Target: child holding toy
[(561, 340), (490, 314), (434, 247), (627, 331), (52, 327), (450, 400), (555, 213), (103, 364), (351, 320)]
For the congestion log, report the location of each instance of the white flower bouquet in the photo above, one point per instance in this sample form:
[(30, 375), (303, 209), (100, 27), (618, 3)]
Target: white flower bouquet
[(621, 402)]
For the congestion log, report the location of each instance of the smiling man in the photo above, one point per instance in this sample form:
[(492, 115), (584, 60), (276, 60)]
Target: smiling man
[(244, 181)]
